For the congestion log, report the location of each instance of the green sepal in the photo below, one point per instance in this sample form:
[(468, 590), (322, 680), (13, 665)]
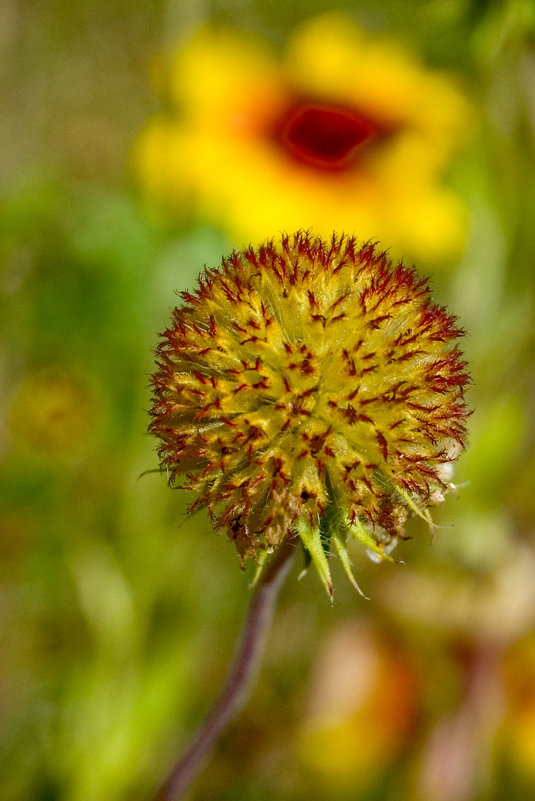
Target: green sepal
[(357, 529), (260, 562), (341, 549), (307, 560), (311, 539), (424, 514)]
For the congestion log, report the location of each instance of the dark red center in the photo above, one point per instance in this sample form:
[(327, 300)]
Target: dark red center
[(325, 136)]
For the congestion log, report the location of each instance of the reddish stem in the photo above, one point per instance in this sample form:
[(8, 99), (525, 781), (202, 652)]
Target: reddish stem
[(239, 680)]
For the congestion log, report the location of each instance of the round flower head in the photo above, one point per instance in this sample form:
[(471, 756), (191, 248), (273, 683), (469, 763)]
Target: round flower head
[(310, 389)]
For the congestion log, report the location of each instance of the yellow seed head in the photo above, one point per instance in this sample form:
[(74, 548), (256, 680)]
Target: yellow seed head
[(310, 389)]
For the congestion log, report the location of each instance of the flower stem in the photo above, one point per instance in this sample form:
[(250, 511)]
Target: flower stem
[(239, 680)]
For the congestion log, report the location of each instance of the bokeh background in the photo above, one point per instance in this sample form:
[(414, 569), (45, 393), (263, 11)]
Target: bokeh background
[(118, 610)]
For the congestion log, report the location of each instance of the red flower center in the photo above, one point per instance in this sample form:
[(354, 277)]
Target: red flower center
[(324, 136)]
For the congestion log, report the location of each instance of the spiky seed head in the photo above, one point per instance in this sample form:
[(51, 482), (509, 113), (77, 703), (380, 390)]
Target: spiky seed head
[(311, 390)]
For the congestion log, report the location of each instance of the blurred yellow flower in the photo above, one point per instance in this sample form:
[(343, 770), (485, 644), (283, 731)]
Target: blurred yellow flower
[(363, 706), (518, 731), (346, 132), (52, 412)]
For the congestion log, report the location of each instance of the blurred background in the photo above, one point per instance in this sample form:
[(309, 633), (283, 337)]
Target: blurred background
[(140, 141)]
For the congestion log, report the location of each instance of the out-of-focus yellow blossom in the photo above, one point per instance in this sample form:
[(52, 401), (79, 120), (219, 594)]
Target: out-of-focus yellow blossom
[(52, 412), (346, 132), (363, 707), (518, 734)]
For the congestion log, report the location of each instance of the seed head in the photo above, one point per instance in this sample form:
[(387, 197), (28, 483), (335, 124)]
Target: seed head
[(310, 389)]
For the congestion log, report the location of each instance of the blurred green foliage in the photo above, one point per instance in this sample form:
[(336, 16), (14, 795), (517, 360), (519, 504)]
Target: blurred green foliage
[(119, 610)]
